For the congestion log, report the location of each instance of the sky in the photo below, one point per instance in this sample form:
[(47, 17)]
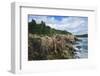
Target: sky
[(74, 24)]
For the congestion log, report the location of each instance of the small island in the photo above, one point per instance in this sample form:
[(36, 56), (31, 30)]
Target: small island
[(83, 35)]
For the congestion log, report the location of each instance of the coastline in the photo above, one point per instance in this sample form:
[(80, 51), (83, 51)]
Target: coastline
[(57, 46)]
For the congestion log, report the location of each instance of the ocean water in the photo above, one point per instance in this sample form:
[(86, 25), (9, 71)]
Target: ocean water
[(81, 48)]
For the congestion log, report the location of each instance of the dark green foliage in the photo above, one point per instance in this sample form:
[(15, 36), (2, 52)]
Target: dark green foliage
[(42, 28)]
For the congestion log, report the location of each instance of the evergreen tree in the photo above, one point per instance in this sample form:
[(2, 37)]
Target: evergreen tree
[(43, 29)]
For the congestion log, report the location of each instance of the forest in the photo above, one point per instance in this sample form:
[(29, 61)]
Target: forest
[(43, 29)]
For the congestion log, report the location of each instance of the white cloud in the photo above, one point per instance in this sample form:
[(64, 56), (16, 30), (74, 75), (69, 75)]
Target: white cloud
[(76, 25)]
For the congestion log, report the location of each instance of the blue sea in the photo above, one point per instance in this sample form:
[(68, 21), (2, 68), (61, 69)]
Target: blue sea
[(82, 48)]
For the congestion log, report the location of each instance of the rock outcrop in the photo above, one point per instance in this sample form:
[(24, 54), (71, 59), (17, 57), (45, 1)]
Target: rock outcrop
[(50, 47)]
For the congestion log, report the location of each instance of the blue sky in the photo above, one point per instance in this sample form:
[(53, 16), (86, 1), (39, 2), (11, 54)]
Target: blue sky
[(74, 24)]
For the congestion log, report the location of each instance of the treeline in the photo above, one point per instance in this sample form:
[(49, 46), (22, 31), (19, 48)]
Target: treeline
[(83, 35), (43, 29)]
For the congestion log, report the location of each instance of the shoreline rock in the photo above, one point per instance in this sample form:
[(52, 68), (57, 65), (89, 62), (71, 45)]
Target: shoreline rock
[(51, 47)]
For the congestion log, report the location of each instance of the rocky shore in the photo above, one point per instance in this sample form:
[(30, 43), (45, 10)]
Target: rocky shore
[(57, 46)]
